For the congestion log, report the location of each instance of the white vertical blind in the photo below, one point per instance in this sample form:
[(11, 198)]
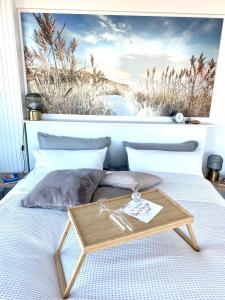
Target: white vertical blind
[(10, 93)]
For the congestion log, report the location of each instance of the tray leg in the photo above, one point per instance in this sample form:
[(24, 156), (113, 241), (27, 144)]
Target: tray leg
[(58, 261), (65, 232), (66, 288), (74, 276), (192, 240)]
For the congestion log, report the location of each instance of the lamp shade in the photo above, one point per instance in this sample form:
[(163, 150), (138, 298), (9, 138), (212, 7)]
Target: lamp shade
[(214, 162), (33, 101)]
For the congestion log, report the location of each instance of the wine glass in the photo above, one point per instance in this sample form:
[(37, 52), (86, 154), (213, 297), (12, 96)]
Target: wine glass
[(135, 196)]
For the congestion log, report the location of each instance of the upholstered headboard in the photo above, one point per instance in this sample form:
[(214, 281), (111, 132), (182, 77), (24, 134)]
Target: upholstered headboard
[(133, 132)]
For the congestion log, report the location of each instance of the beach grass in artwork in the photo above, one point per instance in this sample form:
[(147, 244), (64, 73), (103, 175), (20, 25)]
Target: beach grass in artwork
[(121, 65)]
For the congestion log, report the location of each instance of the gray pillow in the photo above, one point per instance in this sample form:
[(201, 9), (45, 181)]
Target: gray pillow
[(49, 141), (62, 189), (106, 192), (187, 146), (129, 179)]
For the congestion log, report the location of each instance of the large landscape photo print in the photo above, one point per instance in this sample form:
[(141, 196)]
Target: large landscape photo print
[(114, 65)]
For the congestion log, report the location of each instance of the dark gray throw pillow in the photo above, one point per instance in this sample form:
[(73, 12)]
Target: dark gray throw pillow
[(187, 146), (106, 192), (62, 189), (54, 142), (130, 179)]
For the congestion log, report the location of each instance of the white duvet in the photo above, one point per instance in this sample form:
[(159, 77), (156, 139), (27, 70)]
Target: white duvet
[(161, 266)]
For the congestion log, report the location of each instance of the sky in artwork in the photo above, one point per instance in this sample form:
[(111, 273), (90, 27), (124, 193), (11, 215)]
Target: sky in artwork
[(125, 46)]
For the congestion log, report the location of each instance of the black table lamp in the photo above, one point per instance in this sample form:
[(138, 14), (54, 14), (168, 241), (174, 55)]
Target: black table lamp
[(214, 165)]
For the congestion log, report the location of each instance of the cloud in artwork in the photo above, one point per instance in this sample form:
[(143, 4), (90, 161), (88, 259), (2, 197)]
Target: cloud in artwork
[(138, 64), (108, 23), (210, 26), (102, 24), (125, 46)]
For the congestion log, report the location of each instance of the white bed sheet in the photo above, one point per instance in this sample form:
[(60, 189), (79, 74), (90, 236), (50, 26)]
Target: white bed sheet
[(162, 266)]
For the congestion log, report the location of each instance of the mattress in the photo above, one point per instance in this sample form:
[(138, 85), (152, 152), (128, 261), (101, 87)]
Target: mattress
[(161, 266)]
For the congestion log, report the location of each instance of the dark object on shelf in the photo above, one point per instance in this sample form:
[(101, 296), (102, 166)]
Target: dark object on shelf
[(195, 122), (34, 106), (188, 120), (214, 165), (11, 178)]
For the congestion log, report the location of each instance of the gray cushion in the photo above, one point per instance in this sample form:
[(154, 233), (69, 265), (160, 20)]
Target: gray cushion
[(106, 192), (64, 188), (129, 179), (49, 141), (187, 146)]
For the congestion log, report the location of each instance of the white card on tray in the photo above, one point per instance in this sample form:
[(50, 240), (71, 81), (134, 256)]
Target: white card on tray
[(143, 210)]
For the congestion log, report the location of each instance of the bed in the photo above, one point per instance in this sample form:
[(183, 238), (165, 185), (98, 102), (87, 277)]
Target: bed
[(162, 266)]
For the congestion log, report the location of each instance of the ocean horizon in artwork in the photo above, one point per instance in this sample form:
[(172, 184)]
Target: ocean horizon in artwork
[(115, 65)]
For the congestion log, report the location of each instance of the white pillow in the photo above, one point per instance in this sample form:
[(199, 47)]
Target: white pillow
[(69, 159), (165, 161)]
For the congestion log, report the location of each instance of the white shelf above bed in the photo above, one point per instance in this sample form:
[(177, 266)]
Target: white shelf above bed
[(136, 123), (153, 121)]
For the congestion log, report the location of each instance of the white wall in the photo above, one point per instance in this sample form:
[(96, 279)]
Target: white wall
[(155, 6), (10, 93), (215, 141)]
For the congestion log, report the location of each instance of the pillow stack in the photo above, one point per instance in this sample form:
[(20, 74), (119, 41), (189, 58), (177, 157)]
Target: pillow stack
[(53, 142), (181, 158)]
